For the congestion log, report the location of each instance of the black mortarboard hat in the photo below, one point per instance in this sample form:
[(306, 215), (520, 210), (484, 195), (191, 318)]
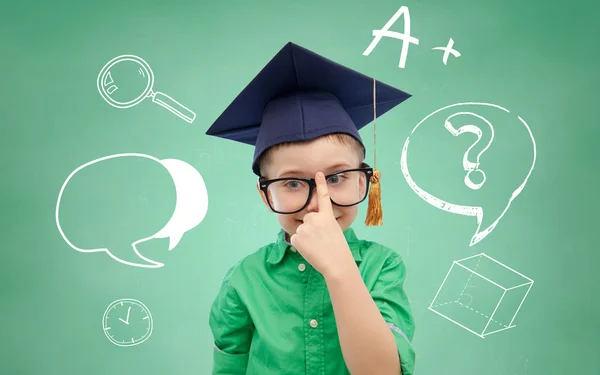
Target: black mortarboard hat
[(299, 96)]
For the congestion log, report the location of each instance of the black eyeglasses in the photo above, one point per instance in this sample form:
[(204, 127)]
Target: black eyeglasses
[(289, 195)]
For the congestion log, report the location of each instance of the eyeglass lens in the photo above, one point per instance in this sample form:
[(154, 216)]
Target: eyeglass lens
[(345, 188)]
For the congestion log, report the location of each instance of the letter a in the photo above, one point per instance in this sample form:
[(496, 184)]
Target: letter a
[(378, 34)]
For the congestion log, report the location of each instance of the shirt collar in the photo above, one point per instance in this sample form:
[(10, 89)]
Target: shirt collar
[(281, 246)]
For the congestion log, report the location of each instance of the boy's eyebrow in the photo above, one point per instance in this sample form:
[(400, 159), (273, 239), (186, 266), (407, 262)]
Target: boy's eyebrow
[(330, 169), (337, 167)]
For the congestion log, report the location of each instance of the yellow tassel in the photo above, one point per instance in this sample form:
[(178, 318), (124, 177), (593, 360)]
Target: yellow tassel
[(375, 212)]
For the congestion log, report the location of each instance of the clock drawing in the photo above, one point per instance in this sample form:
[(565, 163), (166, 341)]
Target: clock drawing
[(127, 322)]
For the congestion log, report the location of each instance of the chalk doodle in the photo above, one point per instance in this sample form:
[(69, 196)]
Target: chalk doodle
[(190, 208), (445, 117), (127, 322), (129, 71), (406, 38), (481, 295)]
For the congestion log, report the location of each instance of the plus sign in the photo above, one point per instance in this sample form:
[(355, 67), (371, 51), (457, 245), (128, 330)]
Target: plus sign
[(448, 50)]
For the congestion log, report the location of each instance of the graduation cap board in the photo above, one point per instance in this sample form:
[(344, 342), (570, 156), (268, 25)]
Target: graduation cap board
[(299, 96)]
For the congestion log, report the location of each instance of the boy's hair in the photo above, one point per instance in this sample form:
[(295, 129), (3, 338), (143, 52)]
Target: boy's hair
[(341, 138)]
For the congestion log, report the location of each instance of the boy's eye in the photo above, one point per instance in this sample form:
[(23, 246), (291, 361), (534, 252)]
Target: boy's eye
[(336, 179), (293, 184)]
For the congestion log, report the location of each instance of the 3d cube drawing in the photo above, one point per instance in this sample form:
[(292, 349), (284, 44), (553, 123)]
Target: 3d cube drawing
[(481, 295)]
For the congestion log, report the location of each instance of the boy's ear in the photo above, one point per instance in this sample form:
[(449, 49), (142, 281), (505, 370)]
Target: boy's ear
[(362, 184)]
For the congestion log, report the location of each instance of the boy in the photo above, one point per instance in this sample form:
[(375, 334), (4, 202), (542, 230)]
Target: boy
[(318, 300)]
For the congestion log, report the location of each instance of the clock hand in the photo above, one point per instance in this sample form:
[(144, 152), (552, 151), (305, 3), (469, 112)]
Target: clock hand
[(126, 321)]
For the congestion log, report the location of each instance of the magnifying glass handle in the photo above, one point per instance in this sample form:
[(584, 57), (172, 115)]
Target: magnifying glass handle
[(174, 106)]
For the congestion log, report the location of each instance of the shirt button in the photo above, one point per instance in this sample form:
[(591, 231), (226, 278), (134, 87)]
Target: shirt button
[(293, 249), (301, 267), (314, 323)]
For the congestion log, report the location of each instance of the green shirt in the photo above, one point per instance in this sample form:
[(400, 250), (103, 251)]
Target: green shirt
[(273, 314)]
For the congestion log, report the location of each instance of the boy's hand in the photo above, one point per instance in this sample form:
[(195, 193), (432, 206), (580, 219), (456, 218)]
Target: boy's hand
[(320, 239)]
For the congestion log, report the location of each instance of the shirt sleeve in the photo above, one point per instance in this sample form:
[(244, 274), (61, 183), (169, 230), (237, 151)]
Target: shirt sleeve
[(232, 329), (389, 296)]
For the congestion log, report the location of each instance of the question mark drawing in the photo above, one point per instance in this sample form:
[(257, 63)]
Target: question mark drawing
[(468, 165)]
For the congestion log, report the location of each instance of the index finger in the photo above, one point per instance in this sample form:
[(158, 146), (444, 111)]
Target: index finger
[(323, 193)]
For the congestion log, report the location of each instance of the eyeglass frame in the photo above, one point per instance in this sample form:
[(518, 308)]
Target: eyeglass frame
[(312, 185)]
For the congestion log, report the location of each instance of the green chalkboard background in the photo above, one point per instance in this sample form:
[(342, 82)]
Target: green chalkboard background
[(537, 60)]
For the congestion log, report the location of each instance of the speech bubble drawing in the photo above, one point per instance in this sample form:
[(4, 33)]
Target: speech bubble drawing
[(468, 165), (191, 207)]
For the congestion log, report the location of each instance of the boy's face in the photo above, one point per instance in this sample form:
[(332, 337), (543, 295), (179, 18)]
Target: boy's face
[(305, 160)]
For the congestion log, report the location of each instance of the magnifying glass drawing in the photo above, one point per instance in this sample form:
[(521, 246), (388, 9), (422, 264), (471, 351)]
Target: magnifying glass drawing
[(127, 80)]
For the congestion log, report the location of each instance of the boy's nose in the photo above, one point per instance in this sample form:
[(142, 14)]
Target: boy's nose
[(313, 203)]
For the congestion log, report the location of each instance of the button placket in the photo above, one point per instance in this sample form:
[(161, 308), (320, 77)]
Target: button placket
[(313, 318)]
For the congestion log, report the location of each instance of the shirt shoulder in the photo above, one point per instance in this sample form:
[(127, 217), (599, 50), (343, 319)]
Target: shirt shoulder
[(371, 250), (376, 261), (251, 264)]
